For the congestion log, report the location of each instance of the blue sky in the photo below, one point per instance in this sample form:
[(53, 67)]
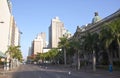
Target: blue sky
[(34, 16)]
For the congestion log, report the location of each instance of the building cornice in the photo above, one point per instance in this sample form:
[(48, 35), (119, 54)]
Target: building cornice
[(97, 26), (9, 5)]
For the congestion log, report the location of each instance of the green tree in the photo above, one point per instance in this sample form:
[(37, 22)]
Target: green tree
[(110, 33), (90, 43), (64, 44), (52, 54), (77, 45), (114, 29), (15, 52), (38, 56), (18, 55)]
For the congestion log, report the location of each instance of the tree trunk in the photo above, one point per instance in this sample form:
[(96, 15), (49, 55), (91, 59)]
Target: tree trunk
[(64, 56), (94, 61), (110, 60), (119, 50), (78, 61), (110, 57)]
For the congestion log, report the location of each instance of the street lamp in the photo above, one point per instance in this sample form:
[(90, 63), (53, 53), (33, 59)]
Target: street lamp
[(1, 22)]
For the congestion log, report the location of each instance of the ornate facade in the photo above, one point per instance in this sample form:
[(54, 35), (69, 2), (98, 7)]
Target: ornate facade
[(95, 27)]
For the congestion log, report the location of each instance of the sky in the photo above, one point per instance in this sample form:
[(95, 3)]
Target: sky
[(34, 16)]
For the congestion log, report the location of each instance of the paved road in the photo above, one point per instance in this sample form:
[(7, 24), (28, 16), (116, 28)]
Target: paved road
[(34, 71)]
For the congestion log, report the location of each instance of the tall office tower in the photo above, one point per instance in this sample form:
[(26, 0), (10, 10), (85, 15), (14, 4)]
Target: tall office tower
[(43, 35), (56, 30), (37, 45), (14, 33), (17, 37), (5, 18), (30, 51)]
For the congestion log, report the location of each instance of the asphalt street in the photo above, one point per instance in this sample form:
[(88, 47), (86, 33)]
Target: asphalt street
[(37, 71)]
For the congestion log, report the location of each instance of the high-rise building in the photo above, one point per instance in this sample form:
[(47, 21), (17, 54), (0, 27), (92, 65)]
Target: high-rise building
[(8, 29), (56, 30), (30, 51), (17, 36), (5, 18), (43, 35), (37, 45)]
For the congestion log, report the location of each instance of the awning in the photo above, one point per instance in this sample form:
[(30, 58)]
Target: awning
[(2, 55)]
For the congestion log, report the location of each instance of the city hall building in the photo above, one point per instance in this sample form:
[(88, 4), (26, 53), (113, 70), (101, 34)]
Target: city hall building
[(96, 26)]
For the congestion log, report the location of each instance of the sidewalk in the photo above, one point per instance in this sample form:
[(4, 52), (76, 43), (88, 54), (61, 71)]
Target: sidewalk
[(7, 73), (113, 74), (3, 73)]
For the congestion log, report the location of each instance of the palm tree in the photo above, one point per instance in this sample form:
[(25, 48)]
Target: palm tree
[(114, 28), (60, 57), (90, 42), (110, 33), (95, 44), (77, 45), (14, 52), (53, 53), (64, 44), (18, 55)]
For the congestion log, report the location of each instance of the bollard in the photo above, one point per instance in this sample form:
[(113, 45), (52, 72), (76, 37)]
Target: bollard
[(110, 68)]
